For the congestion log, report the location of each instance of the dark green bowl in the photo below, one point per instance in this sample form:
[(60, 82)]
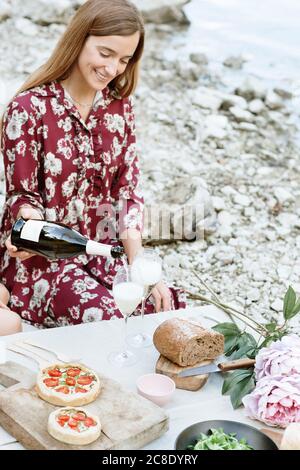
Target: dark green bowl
[(254, 437)]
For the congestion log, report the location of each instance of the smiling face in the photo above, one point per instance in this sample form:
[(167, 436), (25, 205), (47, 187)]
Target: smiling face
[(103, 58)]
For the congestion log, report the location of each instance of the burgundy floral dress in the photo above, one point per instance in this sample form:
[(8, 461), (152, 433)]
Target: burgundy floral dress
[(70, 170)]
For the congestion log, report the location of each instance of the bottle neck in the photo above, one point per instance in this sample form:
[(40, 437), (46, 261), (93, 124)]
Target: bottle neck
[(98, 249)]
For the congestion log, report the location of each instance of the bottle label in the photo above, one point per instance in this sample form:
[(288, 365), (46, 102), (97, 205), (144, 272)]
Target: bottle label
[(32, 230)]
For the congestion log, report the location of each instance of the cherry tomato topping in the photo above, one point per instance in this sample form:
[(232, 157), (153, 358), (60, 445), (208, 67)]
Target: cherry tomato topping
[(85, 380), (89, 422), (54, 373), (73, 372), (51, 382), (73, 423), (63, 418), (79, 416), (63, 389), (70, 381), (80, 390)]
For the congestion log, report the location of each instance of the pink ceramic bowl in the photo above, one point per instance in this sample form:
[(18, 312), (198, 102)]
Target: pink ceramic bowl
[(156, 387)]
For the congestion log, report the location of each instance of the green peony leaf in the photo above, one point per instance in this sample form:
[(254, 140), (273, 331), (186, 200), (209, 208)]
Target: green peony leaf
[(271, 327), (296, 309), (244, 351), (241, 389), (233, 379), (289, 303), (227, 329), (246, 339), (231, 334), (231, 344)]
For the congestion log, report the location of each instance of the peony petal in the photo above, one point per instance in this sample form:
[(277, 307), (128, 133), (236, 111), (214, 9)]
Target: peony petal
[(271, 410), (287, 402)]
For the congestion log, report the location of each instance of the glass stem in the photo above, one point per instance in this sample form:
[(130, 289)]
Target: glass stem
[(143, 308), (124, 336), (146, 290)]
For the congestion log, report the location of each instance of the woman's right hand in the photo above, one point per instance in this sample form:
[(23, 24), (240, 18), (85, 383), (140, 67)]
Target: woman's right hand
[(26, 213)]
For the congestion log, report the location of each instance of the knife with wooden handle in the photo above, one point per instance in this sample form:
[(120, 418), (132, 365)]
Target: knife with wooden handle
[(244, 363)]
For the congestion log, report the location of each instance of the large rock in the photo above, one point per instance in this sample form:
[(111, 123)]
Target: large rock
[(185, 213), (43, 11), (206, 98), (46, 12), (252, 88), (163, 11)]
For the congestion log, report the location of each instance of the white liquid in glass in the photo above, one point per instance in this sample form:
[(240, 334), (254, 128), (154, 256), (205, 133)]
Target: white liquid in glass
[(145, 271), (127, 296)]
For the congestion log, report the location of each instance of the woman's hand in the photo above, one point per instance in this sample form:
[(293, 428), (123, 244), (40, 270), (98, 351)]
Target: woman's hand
[(162, 297), (26, 213)]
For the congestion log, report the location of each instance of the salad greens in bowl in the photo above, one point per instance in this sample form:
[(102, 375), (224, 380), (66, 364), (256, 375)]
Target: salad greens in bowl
[(223, 435)]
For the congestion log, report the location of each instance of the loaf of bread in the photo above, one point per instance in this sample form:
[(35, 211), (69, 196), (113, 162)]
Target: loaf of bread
[(186, 342)]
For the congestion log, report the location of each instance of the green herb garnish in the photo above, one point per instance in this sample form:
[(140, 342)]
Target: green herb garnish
[(217, 439)]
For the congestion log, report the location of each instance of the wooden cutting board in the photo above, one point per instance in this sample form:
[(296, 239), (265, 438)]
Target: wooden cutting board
[(128, 420), (166, 367)]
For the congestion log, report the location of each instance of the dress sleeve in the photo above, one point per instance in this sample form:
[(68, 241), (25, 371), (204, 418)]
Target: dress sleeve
[(126, 190), (21, 151)]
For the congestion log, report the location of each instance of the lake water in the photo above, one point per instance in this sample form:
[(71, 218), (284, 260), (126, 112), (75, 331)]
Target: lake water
[(266, 32)]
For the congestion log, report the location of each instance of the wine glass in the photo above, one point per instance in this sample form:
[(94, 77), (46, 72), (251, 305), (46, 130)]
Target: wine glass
[(146, 270), (127, 295)]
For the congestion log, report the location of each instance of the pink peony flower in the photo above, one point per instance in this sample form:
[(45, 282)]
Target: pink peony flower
[(280, 358), (275, 400)]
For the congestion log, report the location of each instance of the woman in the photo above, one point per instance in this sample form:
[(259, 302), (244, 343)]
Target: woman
[(68, 140)]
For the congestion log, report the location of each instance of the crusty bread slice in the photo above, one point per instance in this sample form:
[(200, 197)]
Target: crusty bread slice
[(186, 343)]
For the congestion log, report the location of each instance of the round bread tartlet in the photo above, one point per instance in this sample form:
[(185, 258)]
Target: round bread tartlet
[(68, 384), (74, 426)]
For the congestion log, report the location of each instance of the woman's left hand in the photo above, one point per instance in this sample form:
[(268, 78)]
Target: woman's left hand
[(162, 297)]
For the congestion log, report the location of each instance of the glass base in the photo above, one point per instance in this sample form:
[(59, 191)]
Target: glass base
[(139, 340), (122, 358)]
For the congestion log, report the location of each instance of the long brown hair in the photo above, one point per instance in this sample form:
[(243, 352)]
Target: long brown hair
[(94, 18)]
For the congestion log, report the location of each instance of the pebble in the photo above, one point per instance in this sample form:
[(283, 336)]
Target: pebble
[(218, 203), (234, 62), (241, 114), (5, 10), (25, 26), (273, 100), (283, 195), (242, 200), (277, 305), (253, 295), (256, 106), (199, 58)]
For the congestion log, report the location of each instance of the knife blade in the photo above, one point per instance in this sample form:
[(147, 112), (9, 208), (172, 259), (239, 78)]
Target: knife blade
[(244, 363)]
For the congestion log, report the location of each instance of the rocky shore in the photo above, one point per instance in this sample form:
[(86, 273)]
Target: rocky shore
[(231, 150)]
